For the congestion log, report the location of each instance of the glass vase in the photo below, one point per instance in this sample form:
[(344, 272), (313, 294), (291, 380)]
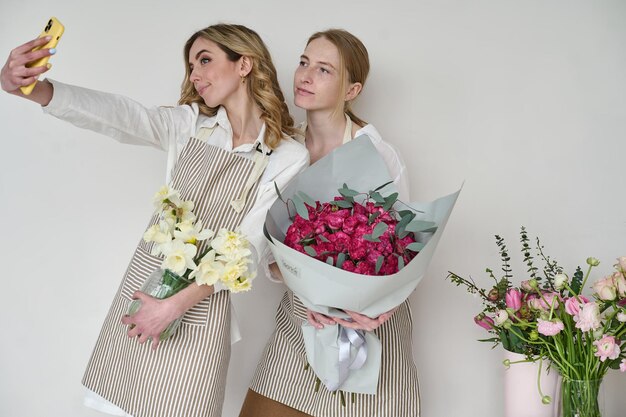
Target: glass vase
[(162, 283), (582, 398)]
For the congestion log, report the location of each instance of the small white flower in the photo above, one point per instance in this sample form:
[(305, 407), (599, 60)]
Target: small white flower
[(159, 234), (190, 233), (164, 195), (243, 283), (184, 212), (178, 256), (621, 316), (560, 280)]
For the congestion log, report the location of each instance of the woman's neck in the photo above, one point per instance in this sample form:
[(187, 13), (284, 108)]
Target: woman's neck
[(324, 133), (245, 119)]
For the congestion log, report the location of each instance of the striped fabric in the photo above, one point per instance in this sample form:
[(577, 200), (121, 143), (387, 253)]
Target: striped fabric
[(186, 375), (282, 374)]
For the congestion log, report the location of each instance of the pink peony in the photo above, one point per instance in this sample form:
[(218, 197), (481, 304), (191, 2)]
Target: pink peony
[(572, 305), (622, 366), (608, 348), (549, 328), (513, 299), (589, 317)]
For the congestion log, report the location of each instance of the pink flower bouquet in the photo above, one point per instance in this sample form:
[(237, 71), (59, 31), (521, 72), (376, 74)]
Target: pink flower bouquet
[(353, 251)]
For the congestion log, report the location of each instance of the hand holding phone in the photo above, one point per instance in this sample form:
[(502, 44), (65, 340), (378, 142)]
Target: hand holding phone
[(54, 29)]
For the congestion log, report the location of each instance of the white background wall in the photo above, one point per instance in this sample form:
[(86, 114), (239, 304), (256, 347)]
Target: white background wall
[(524, 100)]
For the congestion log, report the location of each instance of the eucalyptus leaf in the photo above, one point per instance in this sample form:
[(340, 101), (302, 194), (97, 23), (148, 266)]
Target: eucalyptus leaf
[(329, 260), (377, 197), (420, 226), (401, 225), (341, 203), (310, 251), (341, 258), (370, 238), (307, 199), (347, 192), (400, 262), (373, 217), (323, 238), (389, 201), (379, 230), (379, 263), (415, 246), (300, 207)]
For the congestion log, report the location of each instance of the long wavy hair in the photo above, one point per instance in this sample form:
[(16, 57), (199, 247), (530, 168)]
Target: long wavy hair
[(354, 65), (262, 83)]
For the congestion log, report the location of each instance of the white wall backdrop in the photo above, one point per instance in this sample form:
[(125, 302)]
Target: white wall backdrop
[(525, 101)]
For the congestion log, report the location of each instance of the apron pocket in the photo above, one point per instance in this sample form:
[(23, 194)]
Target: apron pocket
[(141, 266)]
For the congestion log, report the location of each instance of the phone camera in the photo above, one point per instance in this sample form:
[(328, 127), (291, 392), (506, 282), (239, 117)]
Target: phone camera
[(49, 25)]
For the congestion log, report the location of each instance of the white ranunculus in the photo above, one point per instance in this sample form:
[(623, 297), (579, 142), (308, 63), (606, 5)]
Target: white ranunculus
[(560, 280), (209, 271), (178, 256), (501, 317)]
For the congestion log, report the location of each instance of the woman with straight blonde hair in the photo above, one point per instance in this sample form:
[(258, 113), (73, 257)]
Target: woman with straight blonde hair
[(331, 74), (228, 147)]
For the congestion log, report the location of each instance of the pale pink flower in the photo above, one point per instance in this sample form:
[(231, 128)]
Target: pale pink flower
[(589, 317), (526, 286), (622, 366), (608, 348), (549, 328), (513, 299), (572, 305), (620, 283), (621, 263), (605, 288), (501, 317)]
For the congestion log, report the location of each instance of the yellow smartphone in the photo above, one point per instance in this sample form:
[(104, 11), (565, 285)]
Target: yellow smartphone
[(55, 29)]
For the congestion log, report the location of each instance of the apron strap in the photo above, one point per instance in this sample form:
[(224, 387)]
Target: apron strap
[(260, 160), (204, 132)]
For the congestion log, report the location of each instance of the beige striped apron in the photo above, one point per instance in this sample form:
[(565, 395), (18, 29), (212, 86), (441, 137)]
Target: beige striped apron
[(282, 374), (186, 375)]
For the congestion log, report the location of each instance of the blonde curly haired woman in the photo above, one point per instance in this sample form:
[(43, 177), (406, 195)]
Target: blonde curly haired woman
[(228, 138)]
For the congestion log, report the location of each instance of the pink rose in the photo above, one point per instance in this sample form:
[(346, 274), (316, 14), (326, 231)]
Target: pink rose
[(589, 317), (608, 348), (621, 263), (549, 327), (513, 299), (572, 305), (622, 366), (605, 288), (484, 321)]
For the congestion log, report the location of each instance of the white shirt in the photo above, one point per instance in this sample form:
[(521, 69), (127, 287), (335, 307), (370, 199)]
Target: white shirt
[(169, 129)]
